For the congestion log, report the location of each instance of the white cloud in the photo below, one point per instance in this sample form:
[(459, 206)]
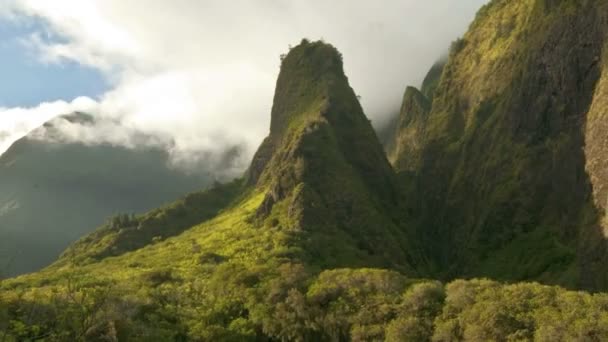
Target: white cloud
[(203, 72), (17, 122)]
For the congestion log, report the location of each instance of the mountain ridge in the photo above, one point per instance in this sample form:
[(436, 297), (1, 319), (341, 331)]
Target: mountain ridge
[(504, 149)]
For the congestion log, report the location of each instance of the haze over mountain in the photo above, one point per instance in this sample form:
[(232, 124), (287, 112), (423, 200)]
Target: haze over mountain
[(498, 171), (54, 191)]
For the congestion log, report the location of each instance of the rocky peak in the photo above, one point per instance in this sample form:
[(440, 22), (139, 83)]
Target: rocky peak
[(322, 167)]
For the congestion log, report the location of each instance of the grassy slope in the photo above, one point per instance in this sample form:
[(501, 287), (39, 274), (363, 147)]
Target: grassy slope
[(125, 233)]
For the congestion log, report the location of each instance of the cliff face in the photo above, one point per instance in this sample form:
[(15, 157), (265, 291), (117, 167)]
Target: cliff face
[(512, 178)]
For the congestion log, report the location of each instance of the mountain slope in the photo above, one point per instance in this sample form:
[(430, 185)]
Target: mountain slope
[(284, 255), (512, 180), (320, 194), (325, 173), (54, 192)]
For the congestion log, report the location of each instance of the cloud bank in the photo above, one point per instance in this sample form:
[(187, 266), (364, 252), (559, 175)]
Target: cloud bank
[(17, 122), (201, 74)]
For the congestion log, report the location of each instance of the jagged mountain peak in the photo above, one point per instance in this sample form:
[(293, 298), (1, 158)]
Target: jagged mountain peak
[(322, 167), (308, 74), (310, 80)]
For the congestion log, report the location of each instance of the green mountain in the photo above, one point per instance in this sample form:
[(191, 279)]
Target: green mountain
[(404, 143), (507, 162), (323, 171), (53, 192), (322, 240), (404, 135)]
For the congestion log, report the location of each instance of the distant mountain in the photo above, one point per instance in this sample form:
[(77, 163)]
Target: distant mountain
[(54, 192)]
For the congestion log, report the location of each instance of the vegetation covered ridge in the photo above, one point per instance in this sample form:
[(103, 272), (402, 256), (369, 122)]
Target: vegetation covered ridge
[(507, 179)]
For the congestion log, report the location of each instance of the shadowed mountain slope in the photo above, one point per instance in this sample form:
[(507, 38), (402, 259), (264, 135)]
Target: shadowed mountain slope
[(54, 192), (498, 174)]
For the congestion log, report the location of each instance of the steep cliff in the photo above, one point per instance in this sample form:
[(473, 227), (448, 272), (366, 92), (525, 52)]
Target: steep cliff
[(512, 178), (54, 191), (283, 254)]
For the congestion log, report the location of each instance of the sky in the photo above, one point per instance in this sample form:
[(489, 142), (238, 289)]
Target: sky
[(200, 74)]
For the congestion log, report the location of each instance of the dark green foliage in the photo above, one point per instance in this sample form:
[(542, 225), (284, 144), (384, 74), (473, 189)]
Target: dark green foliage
[(122, 221), (457, 46), (482, 310)]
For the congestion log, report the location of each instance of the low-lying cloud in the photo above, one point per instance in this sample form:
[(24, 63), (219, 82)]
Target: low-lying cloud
[(200, 75), (17, 122)]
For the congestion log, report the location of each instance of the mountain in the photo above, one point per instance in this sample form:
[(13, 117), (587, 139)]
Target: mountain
[(54, 192), (319, 201), (322, 240), (404, 146), (321, 175), (507, 162), (403, 136), (323, 171)]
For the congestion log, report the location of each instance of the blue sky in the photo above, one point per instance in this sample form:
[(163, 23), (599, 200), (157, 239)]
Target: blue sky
[(27, 82)]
